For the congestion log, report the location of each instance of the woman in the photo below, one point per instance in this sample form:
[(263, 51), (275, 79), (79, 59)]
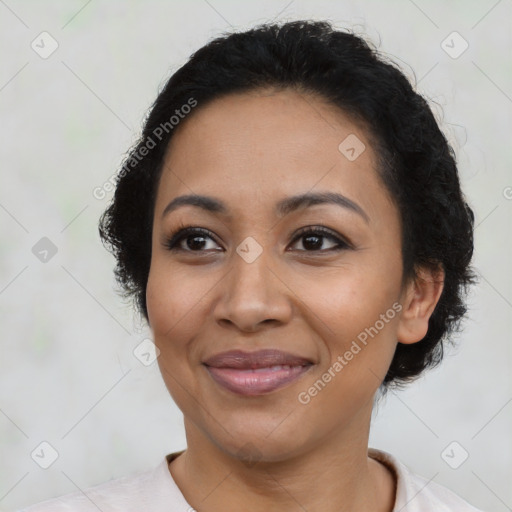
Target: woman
[(291, 226)]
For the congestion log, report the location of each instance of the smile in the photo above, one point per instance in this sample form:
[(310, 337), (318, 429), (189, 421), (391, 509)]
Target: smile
[(256, 373)]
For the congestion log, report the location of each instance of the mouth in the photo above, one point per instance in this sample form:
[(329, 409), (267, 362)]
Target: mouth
[(256, 373)]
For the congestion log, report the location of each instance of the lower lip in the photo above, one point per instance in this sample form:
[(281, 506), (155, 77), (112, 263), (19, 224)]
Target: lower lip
[(256, 382)]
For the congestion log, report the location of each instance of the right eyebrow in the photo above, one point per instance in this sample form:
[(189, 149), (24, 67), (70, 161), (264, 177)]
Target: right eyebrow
[(210, 204)]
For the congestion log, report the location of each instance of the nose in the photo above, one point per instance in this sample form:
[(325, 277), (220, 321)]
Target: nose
[(253, 295)]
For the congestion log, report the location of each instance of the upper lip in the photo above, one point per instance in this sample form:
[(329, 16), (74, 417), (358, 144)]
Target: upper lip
[(239, 359)]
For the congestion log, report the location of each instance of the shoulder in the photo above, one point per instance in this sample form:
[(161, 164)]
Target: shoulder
[(417, 494), (150, 490)]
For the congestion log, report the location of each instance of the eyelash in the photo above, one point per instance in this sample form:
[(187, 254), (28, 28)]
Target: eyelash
[(183, 232)]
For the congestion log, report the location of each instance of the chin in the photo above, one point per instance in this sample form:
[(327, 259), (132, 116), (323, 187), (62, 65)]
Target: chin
[(252, 451), (261, 439)]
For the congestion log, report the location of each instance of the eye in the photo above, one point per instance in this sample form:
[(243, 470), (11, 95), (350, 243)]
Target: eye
[(313, 239), (195, 238)]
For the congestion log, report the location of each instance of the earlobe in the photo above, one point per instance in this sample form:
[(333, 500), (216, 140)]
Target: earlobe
[(419, 301)]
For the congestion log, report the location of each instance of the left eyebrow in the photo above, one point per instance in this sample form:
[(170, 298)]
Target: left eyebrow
[(293, 203), (283, 207)]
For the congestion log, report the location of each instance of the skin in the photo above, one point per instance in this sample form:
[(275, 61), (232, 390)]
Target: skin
[(258, 453)]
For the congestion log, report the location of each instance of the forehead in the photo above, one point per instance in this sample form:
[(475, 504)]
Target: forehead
[(268, 144)]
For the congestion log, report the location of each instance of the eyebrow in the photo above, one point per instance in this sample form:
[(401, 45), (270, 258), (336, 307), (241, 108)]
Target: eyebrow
[(283, 207)]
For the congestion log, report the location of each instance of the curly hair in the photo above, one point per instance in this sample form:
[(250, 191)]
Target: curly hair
[(416, 163)]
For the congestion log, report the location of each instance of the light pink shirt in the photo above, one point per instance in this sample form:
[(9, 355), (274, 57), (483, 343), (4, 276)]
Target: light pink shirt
[(156, 491)]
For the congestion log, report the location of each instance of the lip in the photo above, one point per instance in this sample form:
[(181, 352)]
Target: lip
[(256, 373)]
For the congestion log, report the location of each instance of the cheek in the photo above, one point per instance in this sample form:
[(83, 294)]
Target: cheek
[(173, 307), (172, 302), (357, 321), (356, 315), (349, 300)]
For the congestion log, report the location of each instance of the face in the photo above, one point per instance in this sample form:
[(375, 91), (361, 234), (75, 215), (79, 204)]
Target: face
[(308, 292)]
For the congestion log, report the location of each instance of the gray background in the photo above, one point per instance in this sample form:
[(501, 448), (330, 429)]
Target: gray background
[(68, 375)]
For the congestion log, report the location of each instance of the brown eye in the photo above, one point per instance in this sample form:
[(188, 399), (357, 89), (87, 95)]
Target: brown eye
[(195, 240), (313, 239), (192, 239)]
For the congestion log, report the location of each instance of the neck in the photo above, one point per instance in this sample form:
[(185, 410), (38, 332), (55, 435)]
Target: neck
[(335, 475)]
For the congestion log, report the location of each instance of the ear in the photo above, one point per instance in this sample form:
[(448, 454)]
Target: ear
[(419, 300)]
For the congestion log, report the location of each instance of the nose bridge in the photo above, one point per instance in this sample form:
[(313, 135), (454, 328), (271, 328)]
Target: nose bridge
[(251, 292), (251, 267)]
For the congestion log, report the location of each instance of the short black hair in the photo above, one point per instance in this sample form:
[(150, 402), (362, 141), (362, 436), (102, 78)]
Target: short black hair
[(416, 163)]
